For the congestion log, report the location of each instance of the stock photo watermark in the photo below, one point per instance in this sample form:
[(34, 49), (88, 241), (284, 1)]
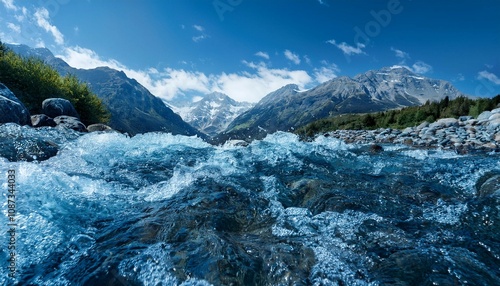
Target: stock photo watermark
[(223, 6), (381, 19), (373, 28), (11, 224)]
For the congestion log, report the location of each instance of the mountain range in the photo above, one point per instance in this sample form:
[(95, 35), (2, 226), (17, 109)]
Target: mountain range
[(377, 90), (213, 113), (135, 110)]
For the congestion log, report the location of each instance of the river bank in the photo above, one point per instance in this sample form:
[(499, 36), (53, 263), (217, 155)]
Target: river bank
[(464, 134)]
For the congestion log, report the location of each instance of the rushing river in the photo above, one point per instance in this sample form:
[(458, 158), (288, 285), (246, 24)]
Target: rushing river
[(158, 209)]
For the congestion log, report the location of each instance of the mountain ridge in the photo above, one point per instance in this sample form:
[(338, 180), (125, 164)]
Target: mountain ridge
[(375, 90), (133, 108), (213, 113)]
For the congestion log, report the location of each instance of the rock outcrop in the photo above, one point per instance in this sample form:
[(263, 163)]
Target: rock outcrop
[(11, 109)]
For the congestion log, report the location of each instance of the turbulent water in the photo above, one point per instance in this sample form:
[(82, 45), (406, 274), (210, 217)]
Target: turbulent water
[(158, 209)]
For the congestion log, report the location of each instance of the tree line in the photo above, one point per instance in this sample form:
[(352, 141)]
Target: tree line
[(33, 81), (402, 118)]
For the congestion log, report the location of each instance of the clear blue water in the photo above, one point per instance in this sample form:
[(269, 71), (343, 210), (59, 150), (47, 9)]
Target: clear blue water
[(158, 209)]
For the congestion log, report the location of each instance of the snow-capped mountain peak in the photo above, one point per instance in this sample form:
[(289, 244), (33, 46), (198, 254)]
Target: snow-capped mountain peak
[(213, 113)]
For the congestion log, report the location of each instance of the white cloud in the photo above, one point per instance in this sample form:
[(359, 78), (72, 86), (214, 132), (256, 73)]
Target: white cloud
[(348, 50), (15, 28), (169, 83), (400, 54), (262, 55), (197, 39), (198, 28), (254, 86), (326, 73), (460, 77), (9, 4), (200, 37), (79, 57), (489, 76), (42, 20), (421, 67), (21, 17), (307, 59), (292, 57)]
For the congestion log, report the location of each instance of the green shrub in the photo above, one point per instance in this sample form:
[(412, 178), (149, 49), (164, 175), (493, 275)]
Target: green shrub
[(33, 81)]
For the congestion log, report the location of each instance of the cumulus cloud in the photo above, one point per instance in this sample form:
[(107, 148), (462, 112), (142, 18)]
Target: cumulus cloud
[(326, 73), (307, 59), (489, 76), (200, 37), (403, 56), (169, 83), (347, 49), (421, 67), (42, 20), (262, 55), (9, 4), (292, 57), (15, 28), (263, 80), (198, 28)]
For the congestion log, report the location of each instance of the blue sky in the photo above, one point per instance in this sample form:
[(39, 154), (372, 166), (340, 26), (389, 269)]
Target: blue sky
[(248, 48)]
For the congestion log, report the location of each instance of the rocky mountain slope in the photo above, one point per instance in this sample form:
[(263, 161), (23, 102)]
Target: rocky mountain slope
[(213, 113), (375, 90), (133, 108)]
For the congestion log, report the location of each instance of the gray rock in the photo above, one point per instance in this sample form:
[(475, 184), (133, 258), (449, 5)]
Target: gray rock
[(494, 116), (465, 118), (99, 127), (54, 107), (484, 116), (33, 149), (41, 120), (423, 125), (496, 110), (448, 122), (493, 124), (70, 123), (11, 109)]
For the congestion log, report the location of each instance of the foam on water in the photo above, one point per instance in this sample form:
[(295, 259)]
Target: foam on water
[(316, 195)]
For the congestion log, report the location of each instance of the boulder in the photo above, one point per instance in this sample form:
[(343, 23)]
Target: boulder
[(494, 116), (11, 109), (70, 123), (493, 124), (447, 122), (99, 127), (488, 184), (496, 110), (423, 125), (465, 118), (17, 149), (484, 116), (54, 107), (41, 120)]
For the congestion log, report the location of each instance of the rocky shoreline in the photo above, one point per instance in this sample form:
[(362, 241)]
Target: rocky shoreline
[(463, 135)]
